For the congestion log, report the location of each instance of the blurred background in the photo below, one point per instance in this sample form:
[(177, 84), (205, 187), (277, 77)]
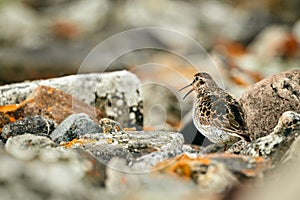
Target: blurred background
[(243, 41)]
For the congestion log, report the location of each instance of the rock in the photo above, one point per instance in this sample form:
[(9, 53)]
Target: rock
[(247, 166), (74, 126), (283, 181), (53, 104), (27, 146), (126, 185), (275, 145), (140, 149), (278, 142), (292, 155), (116, 94), (1, 144), (214, 172), (209, 175), (264, 102), (44, 170), (36, 125), (4, 119), (163, 111)]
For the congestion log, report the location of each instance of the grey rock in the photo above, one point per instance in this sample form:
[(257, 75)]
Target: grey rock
[(52, 174), (277, 143), (292, 156), (27, 146), (37, 125), (146, 185), (116, 94), (142, 150), (223, 180), (1, 144), (162, 108), (265, 101), (145, 162), (283, 182), (74, 126)]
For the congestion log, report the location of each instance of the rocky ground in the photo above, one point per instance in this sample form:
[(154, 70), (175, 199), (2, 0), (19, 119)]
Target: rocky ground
[(61, 139), (100, 115)]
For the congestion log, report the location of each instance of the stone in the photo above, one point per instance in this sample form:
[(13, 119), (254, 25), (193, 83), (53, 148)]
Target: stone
[(247, 166), (53, 104), (214, 172), (37, 168), (4, 119), (264, 102), (126, 185), (116, 94), (140, 150), (37, 125), (275, 145), (283, 181), (27, 146), (278, 142), (162, 112), (74, 126)]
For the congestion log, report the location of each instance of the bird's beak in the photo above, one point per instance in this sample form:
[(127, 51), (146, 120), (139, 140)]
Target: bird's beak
[(185, 87), (189, 92)]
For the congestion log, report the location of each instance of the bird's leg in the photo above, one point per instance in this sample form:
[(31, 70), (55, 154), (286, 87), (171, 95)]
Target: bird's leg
[(225, 147)]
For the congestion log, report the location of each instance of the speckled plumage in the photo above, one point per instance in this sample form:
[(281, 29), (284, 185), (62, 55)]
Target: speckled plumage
[(216, 114)]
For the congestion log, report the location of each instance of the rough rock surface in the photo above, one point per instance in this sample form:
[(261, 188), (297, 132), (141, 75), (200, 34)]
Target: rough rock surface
[(27, 146), (140, 149), (118, 157), (36, 125), (44, 169), (74, 126), (116, 94), (277, 143), (215, 172), (265, 101), (284, 181), (51, 103)]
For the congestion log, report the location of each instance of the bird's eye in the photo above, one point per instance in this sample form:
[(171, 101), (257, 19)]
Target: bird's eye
[(196, 78)]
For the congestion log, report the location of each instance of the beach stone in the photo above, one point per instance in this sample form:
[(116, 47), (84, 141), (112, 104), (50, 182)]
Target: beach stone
[(4, 119), (214, 172), (37, 125), (51, 103), (141, 149), (275, 145), (34, 167), (264, 102), (116, 94), (27, 146), (74, 126)]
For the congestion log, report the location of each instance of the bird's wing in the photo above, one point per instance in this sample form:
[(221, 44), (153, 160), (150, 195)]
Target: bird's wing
[(227, 115)]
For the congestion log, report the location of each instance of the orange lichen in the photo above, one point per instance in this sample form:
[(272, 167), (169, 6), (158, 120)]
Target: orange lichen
[(76, 141), (182, 165), (9, 108), (129, 129), (109, 141)]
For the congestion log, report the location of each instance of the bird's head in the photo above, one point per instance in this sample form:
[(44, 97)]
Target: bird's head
[(201, 81)]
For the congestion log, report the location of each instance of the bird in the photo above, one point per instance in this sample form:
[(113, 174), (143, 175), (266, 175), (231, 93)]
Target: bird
[(216, 114)]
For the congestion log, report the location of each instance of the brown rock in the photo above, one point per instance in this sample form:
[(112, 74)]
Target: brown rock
[(52, 103), (265, 101), (4, 119), (215, 173)]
